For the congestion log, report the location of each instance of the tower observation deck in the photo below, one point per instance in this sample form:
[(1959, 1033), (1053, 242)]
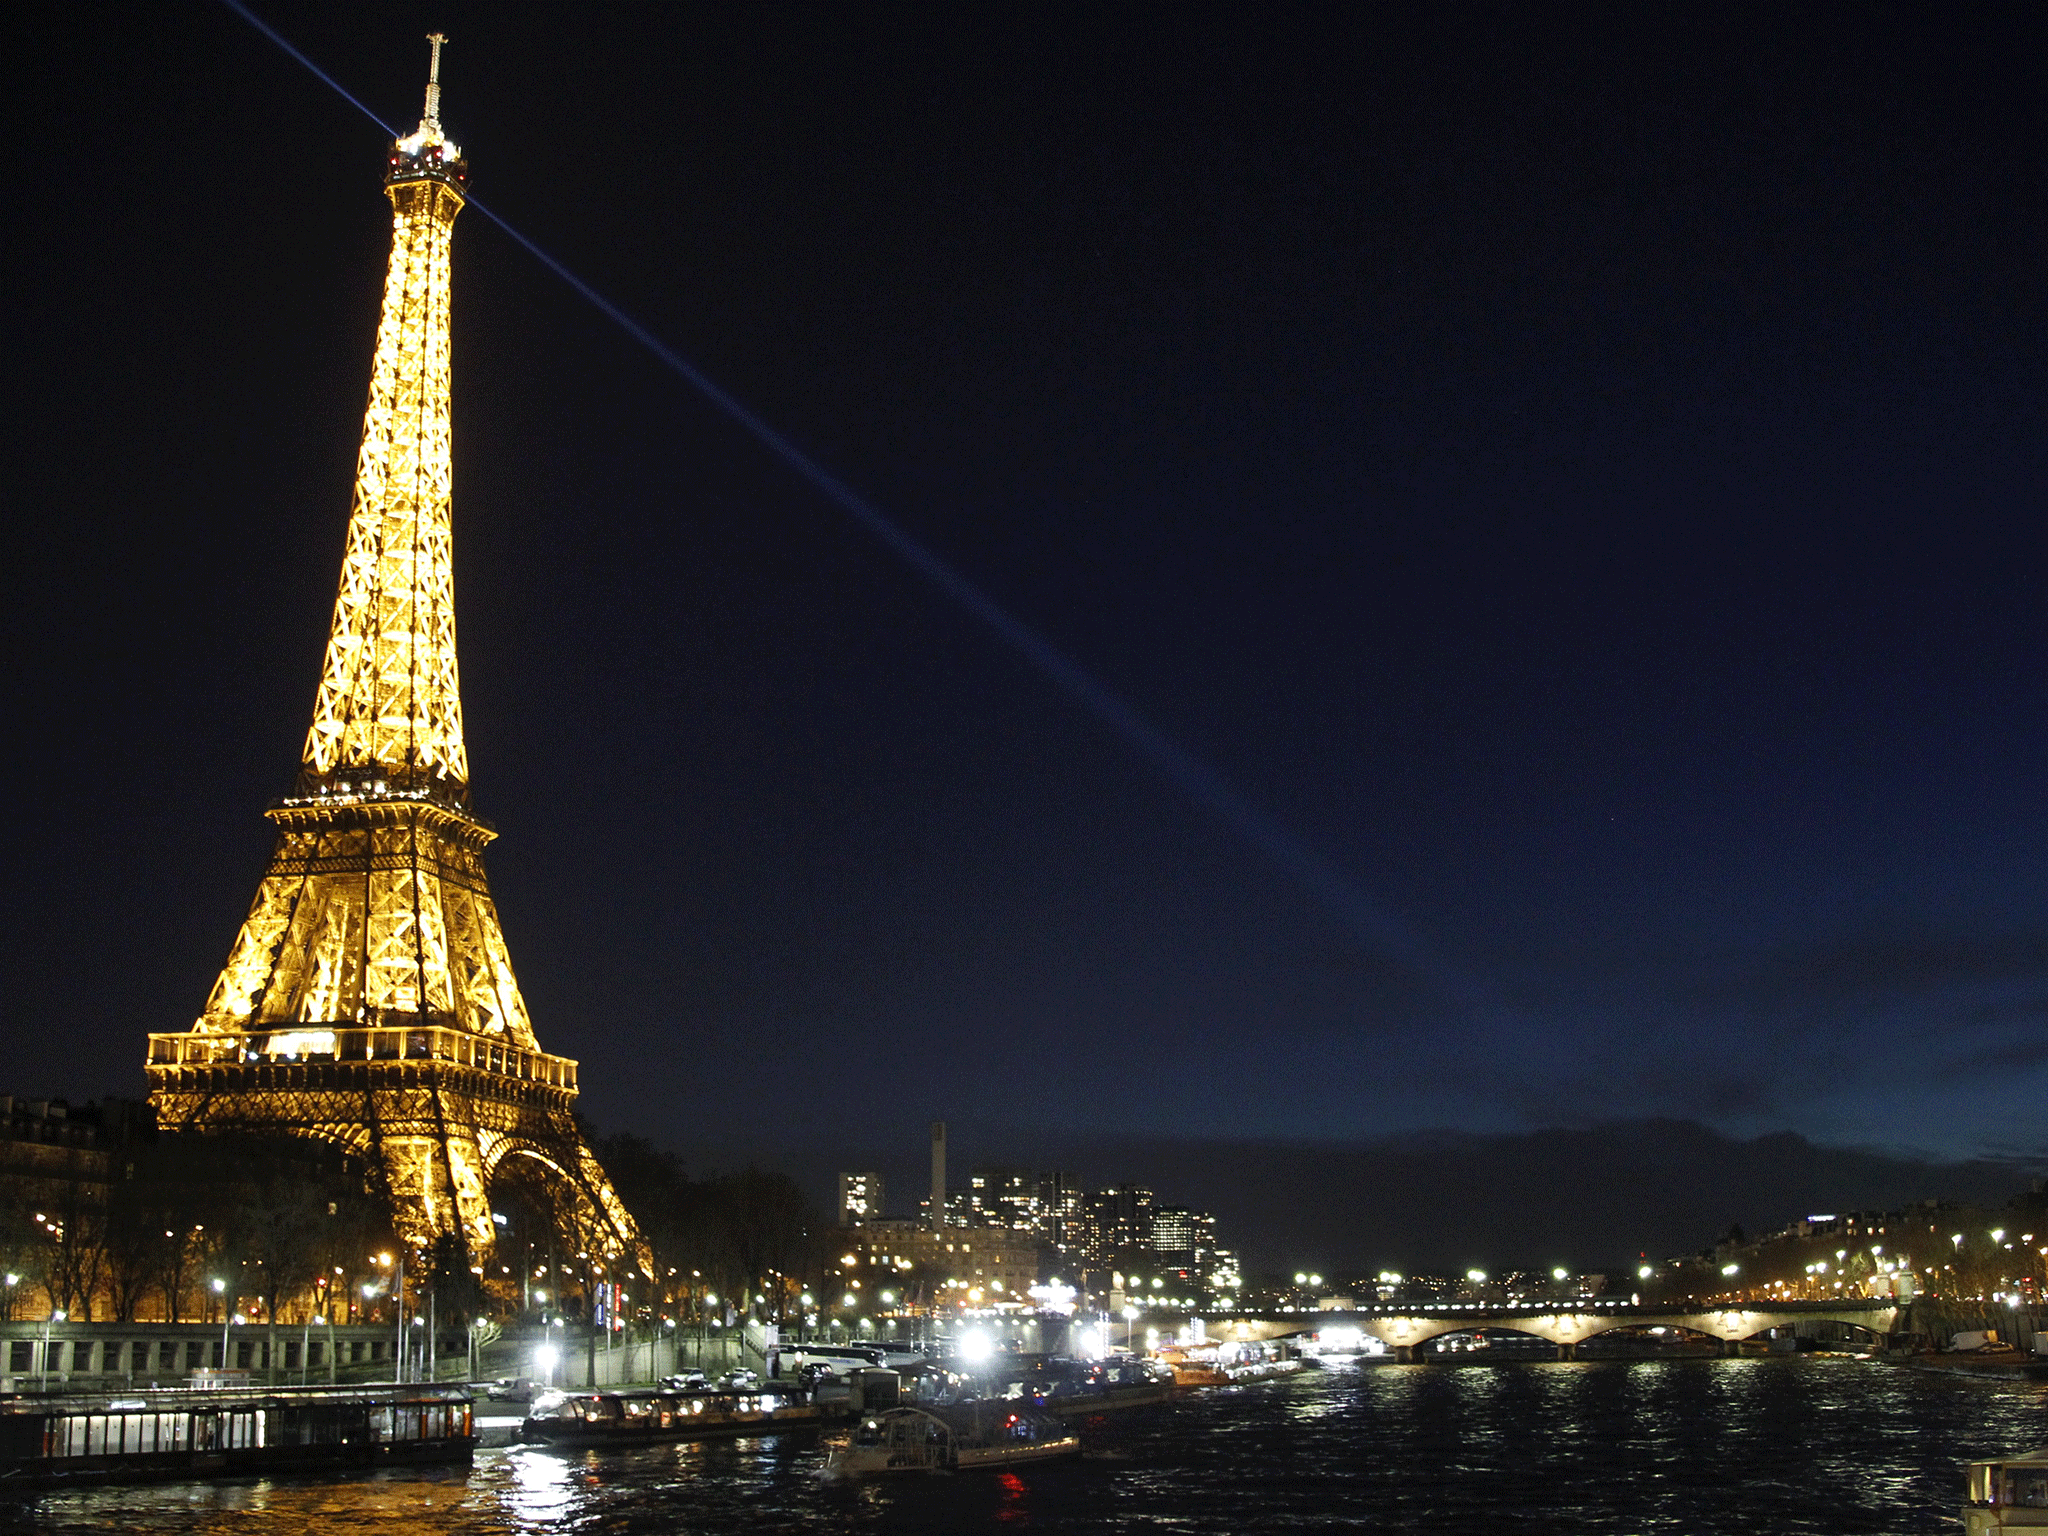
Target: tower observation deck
[(369, 1000)]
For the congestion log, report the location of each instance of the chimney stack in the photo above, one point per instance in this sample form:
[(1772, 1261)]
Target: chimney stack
[(938, 1175)]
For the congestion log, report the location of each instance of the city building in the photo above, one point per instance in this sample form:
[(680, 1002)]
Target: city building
[(1184, 1249), (935, 1203), (1226, 1275), (1178, 1231), (1060, 1198), (1004, 1197), (922, 1268), (50, 1148), (1110, 1222), (957, 1211), (1082, 1237), (860, 1198)]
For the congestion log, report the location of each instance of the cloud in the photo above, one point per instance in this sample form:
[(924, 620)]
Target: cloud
[(1681, 1089), (1876, 969), (2005, 1056)]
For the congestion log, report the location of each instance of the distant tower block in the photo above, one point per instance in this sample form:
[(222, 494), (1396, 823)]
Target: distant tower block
[(860, 1199), (938, 1210), (369, 1000)]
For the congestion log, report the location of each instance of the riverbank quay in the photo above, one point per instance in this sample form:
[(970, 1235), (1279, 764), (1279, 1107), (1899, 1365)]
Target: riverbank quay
[(1935, 1320), (58, 1439)]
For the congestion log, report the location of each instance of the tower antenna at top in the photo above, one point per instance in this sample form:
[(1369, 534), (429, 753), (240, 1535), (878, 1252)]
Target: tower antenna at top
[(434, 79)]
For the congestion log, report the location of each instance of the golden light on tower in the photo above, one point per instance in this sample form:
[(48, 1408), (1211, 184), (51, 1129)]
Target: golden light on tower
[(369, 999), (389, 696)]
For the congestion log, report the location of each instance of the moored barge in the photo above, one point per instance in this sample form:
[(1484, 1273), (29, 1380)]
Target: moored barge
[(180, 1433), (1072, 1389), (633, 1418)]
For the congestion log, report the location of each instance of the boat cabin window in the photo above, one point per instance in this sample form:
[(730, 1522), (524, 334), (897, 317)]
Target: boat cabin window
[(2026, 1487)]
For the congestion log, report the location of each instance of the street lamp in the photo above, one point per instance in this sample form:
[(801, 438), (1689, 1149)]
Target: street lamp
[(219, 1290), (1130, 1327), (55, 1317)]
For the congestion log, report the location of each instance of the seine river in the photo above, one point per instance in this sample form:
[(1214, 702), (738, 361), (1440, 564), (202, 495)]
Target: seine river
[(1698, 1446)]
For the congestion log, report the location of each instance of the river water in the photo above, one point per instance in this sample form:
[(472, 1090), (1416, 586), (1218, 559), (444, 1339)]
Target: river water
[(1684, 1445)]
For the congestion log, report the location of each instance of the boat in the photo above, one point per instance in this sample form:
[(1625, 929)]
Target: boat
[(632, 1418), (1224, 1365), (182, 1433), (963, 1437), (1072, 1389), (2010, 1494)]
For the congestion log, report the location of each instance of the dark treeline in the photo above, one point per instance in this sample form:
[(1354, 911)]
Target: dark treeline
[(285, 1230), (729, 1245), (189, 1227)]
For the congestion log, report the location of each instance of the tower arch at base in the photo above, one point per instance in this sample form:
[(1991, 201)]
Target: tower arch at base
[(434, 1125), (584, 1207)]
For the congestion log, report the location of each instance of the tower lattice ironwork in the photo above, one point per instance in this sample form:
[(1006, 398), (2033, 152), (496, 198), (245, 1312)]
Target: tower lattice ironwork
[(369, 999)]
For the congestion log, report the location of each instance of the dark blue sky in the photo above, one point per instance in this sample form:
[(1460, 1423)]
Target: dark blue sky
[(1578, 470)]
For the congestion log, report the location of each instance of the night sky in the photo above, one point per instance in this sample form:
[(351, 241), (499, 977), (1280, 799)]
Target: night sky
[(1577, 473)]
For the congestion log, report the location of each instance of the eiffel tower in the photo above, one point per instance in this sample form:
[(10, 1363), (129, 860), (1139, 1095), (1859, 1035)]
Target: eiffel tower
[(369, 1000)]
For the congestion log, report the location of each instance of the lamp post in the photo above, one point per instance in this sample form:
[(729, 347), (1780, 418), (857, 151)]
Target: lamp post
[(1130, 1328), (54, 1317), (398, 1345), (220, 1292), (547, 1357), (12, 1281), (398, 1295)]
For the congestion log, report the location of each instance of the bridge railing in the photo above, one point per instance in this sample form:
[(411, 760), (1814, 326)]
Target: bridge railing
[(1603, 1306)]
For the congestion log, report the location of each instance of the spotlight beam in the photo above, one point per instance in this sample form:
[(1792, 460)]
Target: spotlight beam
[(1366, 917)]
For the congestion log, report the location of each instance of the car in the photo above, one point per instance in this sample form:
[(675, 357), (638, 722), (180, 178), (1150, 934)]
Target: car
[(741, 1380), (686, 1381), (511, 1389), (815, 1372)]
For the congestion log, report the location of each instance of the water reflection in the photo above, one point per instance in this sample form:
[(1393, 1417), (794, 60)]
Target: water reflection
[(540, 1492), (1584, 1448)]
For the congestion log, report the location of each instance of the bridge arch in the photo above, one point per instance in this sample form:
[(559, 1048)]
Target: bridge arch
[(1567, 1325)]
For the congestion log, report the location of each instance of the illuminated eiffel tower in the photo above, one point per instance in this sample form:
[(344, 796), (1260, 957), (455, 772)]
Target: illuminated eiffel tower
[(369, 1000)]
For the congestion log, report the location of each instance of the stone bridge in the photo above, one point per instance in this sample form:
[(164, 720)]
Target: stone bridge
[(1565, 1324)]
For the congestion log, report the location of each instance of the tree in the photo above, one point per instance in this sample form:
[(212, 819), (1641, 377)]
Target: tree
[(135, 1232), (74, 1252), (451, 1279), (293, 1201), (772, 1232), (657, 1191), (737, 1235), (20, 1252)]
